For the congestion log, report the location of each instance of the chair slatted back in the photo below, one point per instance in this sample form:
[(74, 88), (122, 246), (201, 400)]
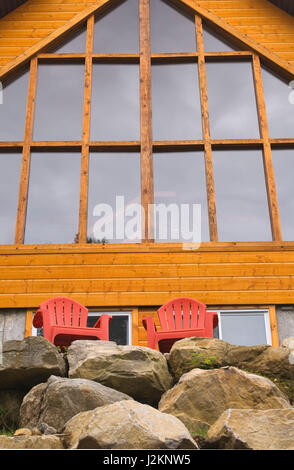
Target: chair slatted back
[(182, 313), (65, 312)]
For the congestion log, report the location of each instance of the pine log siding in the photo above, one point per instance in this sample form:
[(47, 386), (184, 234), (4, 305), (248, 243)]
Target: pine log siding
[(260, 20), (36, 23), (143, 277)]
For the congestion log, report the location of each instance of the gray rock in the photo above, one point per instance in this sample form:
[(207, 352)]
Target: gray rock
[(31, 442), (58, 400), (207, 353), (253, 429), (140, 372), (29, 362), (10, 402), (288, 343), (201, 396), (126, 425)]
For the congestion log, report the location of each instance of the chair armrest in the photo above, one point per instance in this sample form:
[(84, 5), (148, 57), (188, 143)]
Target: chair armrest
[(149, 324), (38, 319), (103, 321), (212, 318)]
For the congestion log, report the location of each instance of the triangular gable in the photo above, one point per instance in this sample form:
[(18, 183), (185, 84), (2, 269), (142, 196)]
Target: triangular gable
[(258, 24), (249, 22)]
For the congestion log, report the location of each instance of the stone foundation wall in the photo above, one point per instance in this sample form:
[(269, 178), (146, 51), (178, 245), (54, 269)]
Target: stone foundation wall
[(285, 320), (12, 324)]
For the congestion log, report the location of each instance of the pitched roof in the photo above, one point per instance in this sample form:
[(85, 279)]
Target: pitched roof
[(8, 5), (258, 24), (286, 5)]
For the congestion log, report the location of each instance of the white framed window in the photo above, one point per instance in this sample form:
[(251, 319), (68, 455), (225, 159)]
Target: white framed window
[(244, 327), (120, 327)]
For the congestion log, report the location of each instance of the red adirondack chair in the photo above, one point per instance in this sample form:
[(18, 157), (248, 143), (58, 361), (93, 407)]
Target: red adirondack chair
[(180, 318), (64, 320)]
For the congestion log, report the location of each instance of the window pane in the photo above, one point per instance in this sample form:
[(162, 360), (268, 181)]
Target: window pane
[(10, 166), (231, 98), (114, 181), (75, 43), (283, 161), (53, 200), (118, 327), (213, 42), (280, 111), (59, 102), (241, 199), (115, 102), (118, 30), (179, 178), (172, 30), (13, 108), (176, 111), (243, 329)]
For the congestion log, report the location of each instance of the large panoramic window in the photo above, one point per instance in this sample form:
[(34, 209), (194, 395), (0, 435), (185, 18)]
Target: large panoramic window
[(10, 166), (53, 199), (240, 192), (179, 186), (283, 160), (146, 102), (231, 100), (114, 198), (115, 102), (176, 108)]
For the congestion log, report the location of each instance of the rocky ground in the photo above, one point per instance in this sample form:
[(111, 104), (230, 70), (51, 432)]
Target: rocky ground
[(205, 394)]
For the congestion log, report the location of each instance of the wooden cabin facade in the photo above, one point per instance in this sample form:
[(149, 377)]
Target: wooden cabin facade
[(94, 105)]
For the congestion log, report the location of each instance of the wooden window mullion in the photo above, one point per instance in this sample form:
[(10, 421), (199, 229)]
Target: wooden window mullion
[(206, 132), (267, 152), (26, 154), (83, 213), (147, 185)]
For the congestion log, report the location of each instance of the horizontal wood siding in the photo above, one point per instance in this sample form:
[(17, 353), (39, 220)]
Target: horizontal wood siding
[(134, 277), (36, 20), (31, 22)]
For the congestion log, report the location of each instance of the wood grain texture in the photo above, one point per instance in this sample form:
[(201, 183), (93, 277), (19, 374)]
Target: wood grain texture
[(258, 25), (50, 30), (206, 133), (274, 326), (26, 154), (248, 274), (83, 213), (29, 323), (267, 152), (146, 121), (242, 20)]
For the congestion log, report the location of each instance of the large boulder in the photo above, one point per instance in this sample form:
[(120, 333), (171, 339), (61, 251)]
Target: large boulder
[(58, 400), (31, 442), (10, 403), (253, 429), (207, 353), (126, 425), (201, 396), (137, 371), (28, 362)]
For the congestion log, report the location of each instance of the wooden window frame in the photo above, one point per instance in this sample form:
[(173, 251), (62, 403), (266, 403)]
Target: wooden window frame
[(146, 146)]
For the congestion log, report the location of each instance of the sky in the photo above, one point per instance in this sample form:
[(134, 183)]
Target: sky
[(241, 199)]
